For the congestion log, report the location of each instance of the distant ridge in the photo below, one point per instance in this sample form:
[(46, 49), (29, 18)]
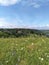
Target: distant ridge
[(18, 32)]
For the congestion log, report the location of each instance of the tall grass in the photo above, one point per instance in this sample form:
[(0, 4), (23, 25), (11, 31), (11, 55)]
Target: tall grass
[(32, 50)]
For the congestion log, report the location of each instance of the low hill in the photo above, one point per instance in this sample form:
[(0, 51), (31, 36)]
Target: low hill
[(17, 32)]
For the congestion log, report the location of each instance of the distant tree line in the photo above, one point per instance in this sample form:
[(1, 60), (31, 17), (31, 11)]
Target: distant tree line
[(18, 32)]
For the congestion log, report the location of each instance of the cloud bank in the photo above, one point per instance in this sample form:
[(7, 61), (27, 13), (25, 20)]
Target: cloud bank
[(34, 3), (16, 23), (27, 3), (8, 2), (5, 24)]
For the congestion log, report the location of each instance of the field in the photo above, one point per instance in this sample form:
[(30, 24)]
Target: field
[(32, 50)]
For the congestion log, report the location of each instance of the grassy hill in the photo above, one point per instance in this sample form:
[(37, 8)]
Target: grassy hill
[(31, 50)]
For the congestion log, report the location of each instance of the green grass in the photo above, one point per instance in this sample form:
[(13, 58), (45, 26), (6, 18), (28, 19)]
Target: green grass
[(33, 50)]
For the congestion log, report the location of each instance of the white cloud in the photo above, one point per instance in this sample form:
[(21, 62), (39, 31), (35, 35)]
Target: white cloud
[(8, 2), (34, 3)]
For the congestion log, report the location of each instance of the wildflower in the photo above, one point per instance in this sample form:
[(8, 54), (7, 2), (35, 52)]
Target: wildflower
[(39, 50), (43, 40), (47, 55), (41, 58), (22, 48), (6, 61), (18, 59), (32, 43)]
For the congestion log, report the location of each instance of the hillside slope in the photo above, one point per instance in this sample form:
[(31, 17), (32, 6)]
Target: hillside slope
[(18, 32)]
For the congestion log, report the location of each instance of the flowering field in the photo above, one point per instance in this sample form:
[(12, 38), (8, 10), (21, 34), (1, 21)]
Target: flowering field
[(33, 50)]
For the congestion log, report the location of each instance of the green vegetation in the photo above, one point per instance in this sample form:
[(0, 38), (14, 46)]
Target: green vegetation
[(31, 50), (12, 33)]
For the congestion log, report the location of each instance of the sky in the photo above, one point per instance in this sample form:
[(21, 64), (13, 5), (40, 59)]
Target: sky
[(24, 13)]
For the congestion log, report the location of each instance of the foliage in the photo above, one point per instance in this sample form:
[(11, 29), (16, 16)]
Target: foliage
[(19, 32)]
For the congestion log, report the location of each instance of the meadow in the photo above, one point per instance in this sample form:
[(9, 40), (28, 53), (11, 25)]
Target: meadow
[(31, 50)]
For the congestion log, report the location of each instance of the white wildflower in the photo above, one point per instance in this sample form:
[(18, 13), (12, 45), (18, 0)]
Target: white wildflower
[(18, 59), (47, 55), (41, 58), (22, 48), (6, 61), (39, 50), (43, 40), (32, 43)]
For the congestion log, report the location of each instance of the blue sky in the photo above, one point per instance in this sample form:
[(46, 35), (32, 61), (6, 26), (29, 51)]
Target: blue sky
[(24, 13)]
